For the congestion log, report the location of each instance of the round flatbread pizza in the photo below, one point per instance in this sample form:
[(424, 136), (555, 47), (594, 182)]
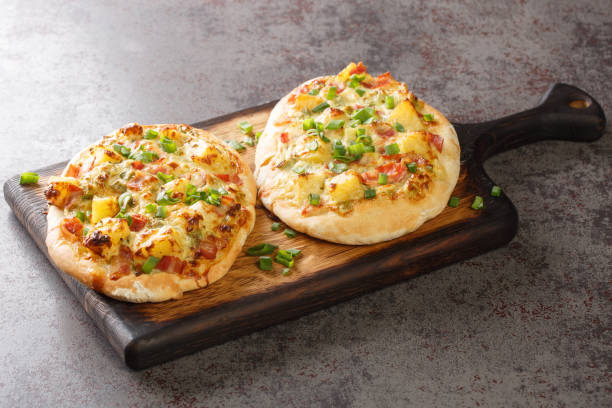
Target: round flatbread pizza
[(150, 212), (356, 159)]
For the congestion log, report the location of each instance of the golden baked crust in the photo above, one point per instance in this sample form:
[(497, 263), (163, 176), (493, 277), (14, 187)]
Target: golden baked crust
[(192, 219), (294, 161)]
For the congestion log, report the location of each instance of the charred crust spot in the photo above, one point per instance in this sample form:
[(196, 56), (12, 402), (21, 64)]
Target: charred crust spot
[(225, 228), (132, 130), (50, 192), (96, 241), (234, 209), (193, 221)]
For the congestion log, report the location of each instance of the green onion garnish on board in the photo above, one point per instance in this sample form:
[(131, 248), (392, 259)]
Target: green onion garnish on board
[(290, 233), (261, 249), (496, 191), (454, 202), (245, 127), (265, 263), (28, 178), (478, 203)]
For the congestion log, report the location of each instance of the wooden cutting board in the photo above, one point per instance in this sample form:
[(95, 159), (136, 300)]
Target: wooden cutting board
[(248, 299)]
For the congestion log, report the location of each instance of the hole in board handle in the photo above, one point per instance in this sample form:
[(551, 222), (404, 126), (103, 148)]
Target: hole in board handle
[(580, 104)]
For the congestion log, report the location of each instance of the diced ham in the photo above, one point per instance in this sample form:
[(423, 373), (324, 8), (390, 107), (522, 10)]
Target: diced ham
[(284, 137), (171, 264), (394, 171), (369, 178), (72, 226), (437, 141), (73, 171), (138, 165), (208, 249), (359, 68), (138, 222), (384, 129)]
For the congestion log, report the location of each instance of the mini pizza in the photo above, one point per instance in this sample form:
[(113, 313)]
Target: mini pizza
[(356, 159), (150, 212)]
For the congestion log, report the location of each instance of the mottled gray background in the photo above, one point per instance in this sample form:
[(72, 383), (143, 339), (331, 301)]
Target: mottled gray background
[(526, 325)]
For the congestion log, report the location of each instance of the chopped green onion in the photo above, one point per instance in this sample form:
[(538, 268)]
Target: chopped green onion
[(412, 167), (360, 91), (335, 124), (496, 191), (167, 145), (478, 203), (390, 102), (28, 178), (143, 156), (428, 117), (248, 141), (366, 140), (364, 115), (150, 134), (162, 212), (320, 107), (361, 132), (454, 202), (150, 264), (151, 208), (290, 233), (370, 149), (164, 177), (392, 149), (85, 231), (275, 226), (127, 217), (294, 252), (287, 262), (299, 169), (286, 271), (337, 167), (124, 201), (331, 93), (313, 146), (382, 179), (261, 249), (122, 150), (80, 215), (358, 77), (308, 124), (265, 263), (315, 199), (399, 127), (257, 136), (357, 149), (313, 91), (245, 127), (236, 145), (369, 193), (165, 198), (354, 123)]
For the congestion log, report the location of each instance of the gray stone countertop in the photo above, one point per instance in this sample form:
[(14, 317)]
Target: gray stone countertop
[(526, 325)]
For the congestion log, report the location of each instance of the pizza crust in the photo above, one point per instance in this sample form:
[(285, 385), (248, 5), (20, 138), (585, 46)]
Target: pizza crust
[(370, 221), (80, 263)]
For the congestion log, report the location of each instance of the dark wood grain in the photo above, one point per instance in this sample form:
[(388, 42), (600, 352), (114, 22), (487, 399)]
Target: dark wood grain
[(249, 299)]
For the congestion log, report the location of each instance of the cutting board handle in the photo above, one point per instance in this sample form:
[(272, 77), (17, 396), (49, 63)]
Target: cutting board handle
[(564, 113)]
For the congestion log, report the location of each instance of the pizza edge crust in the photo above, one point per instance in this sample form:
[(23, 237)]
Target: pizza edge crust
[(156, 287), (394, 218)]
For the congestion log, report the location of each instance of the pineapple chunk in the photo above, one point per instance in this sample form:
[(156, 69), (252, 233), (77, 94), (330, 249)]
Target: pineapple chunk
[(61, 190), (309, 183), (103, 207), (209, 157), (307, 102), (105, 154), (344, 187), (413, 142), (164, 241), (405, 114), (106, 238), (323, 153)]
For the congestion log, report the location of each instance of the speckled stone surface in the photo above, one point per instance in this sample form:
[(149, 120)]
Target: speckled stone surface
[(526, 325)]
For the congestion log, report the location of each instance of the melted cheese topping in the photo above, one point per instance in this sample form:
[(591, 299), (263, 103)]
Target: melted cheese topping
[(164, 194), (353, 137)]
